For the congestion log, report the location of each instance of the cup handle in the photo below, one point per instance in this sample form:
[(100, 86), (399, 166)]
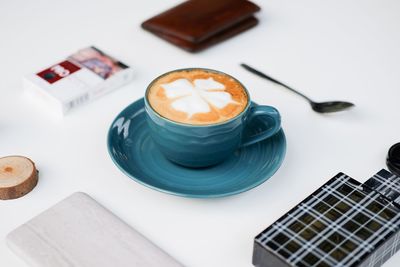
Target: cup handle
[(270, 117)]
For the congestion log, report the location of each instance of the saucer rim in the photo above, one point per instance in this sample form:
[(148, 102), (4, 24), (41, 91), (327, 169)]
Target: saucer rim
[(191, 195)]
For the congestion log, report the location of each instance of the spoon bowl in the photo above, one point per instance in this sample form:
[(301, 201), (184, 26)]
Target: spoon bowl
[(330, 106)]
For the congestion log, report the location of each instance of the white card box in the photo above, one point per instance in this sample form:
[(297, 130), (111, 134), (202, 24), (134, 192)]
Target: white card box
[(78, 79)]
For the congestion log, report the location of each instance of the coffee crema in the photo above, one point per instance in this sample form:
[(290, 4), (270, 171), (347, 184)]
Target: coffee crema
[(197, 97)]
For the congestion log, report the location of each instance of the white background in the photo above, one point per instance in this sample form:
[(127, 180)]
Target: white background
[(333, 49)]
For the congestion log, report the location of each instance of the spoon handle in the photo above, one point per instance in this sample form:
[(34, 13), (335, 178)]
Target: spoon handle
[(265, 76)]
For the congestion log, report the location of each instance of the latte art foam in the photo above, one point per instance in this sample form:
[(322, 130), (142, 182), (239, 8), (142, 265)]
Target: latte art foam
[(197, 97)]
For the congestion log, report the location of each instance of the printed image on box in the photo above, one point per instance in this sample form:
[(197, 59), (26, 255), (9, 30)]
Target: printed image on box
[(98, 62)]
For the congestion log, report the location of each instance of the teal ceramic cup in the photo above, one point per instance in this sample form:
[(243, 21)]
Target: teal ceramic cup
[(198, 146)]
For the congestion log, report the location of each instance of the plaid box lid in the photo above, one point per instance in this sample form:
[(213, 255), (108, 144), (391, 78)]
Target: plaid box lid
[(343, 223), (387, 184)]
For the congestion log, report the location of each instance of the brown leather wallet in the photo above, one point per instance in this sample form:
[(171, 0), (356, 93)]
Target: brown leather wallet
[(198, 24)]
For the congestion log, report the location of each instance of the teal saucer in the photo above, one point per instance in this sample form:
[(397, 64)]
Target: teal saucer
[(133, 151)]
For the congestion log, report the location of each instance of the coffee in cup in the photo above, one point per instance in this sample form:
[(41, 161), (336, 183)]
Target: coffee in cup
[(197, 97)]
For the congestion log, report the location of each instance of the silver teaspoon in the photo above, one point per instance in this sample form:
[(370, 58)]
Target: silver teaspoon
[(321, 107)]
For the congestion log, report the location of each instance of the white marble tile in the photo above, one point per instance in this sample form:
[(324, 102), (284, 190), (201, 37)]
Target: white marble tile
[(78, 231)]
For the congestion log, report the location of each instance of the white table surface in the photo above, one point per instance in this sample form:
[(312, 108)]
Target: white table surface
[(335, 49)]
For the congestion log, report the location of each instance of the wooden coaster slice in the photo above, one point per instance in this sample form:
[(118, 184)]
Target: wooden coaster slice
[(18, 176)]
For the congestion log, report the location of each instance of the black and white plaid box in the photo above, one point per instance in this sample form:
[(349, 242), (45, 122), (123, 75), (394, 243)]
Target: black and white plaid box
[(343, 223)]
